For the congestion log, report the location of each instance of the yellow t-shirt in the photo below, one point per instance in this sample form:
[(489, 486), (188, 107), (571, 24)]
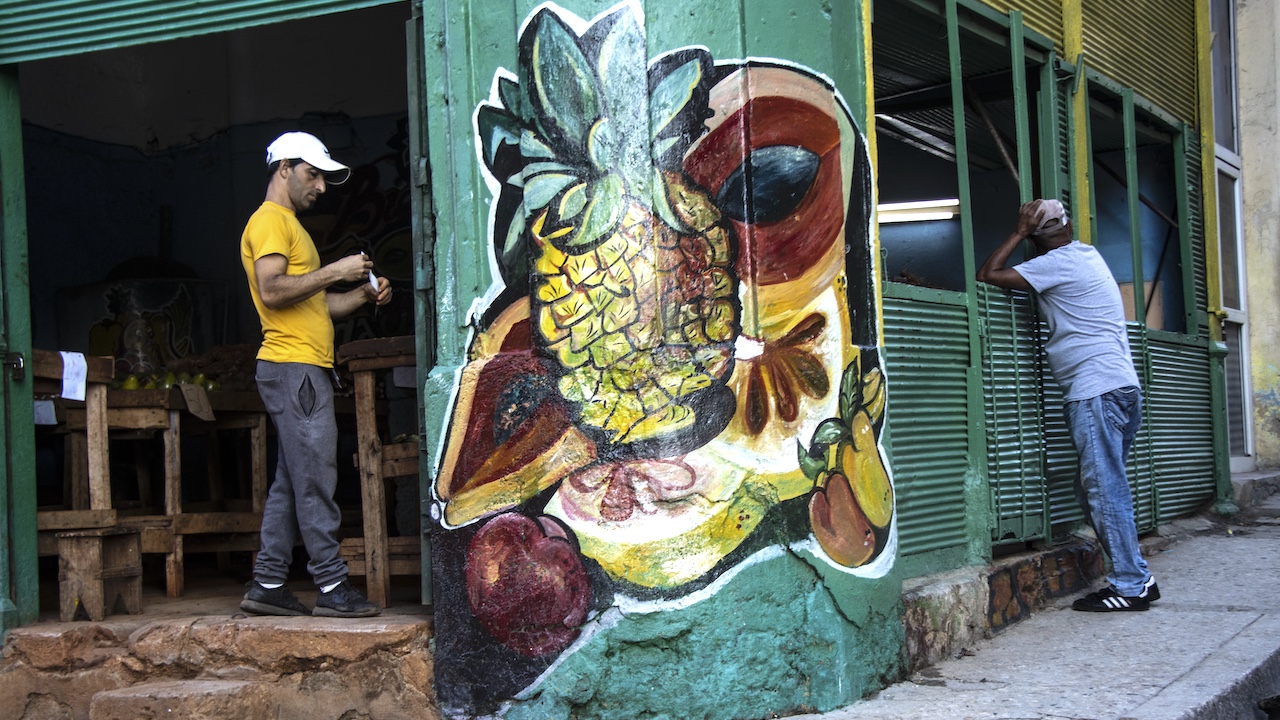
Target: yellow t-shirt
[(301, 333)]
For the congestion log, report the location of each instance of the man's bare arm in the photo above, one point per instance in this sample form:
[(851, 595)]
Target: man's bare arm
[(343, 304), (280, 290), (993, 271)]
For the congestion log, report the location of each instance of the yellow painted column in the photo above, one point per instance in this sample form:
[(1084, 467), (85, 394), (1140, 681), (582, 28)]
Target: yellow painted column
[(1208, 167), (1073, 50), (869, 126)]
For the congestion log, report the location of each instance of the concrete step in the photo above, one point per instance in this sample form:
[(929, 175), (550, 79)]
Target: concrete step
[(316, 667), (190, 699)]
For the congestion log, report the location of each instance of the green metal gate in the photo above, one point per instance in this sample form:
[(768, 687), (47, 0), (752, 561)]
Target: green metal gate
[(926, 340), (1014, 414)]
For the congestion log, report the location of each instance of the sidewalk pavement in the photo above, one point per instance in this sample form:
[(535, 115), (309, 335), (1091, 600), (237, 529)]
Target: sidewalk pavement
[(1208, 650)]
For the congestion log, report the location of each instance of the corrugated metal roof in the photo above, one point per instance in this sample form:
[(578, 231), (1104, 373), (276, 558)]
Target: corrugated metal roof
[(1149, 45), (38, 29)]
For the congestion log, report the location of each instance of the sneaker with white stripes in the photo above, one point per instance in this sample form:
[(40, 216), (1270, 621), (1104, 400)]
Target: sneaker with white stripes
[(1108, 600)]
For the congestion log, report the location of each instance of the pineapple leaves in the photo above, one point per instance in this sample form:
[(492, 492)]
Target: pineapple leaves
[(602, 212), (512, 96), (624, 83), (564, 82), (670, 97), (494, 126), (567, 133), (531, 146), (541, 189)]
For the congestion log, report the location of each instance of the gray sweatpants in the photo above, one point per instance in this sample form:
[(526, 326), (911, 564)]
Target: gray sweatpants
[(299, 398)]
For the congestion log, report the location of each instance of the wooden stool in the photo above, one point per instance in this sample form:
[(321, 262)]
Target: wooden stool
[(97, 569)]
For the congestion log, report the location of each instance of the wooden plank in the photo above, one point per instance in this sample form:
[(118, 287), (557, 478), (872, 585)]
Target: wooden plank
[(400, 451), (404, 555), (46, 543), (99, 448), (372, 493), (399, 468), (174, 575), (216, 522), (165, 398), (122, 418), (173, 464), (47, 365), (381, 363), (258, 453), (156, 532), (74, 519), (75, 483), (378, 347), (241, 542)]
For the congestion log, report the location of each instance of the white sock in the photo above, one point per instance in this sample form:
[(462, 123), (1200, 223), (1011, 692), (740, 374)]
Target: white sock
[(327, 588), (271, 586)]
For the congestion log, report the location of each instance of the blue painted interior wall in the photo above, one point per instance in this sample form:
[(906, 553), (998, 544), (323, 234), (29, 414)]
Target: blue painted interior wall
[(93, 205), (930, 251)]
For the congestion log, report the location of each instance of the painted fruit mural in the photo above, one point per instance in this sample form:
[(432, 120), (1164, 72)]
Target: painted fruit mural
[(677, 366)]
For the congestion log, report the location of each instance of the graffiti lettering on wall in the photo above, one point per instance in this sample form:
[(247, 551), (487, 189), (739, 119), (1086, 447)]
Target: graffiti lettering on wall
[(676, 370)]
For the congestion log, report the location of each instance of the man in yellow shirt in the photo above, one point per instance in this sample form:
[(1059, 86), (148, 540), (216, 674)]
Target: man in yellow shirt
[(295, 364)]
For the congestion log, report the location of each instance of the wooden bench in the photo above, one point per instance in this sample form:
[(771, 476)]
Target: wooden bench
[(377, 462)]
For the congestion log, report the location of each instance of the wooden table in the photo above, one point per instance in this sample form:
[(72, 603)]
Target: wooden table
[(89, 501), (378, 461), (168, 411)]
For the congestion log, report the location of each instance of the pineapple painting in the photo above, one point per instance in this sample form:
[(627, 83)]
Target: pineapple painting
[(677, 367), (633, 291)]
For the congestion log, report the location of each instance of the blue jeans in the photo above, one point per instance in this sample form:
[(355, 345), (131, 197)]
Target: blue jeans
[(1102, 429)]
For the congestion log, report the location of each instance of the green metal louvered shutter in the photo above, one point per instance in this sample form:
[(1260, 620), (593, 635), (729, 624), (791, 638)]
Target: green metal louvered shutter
[(1195, 211), (1061, 463), (1182, 424), (927, 359), (1149, 45), (1140, 468), (1014, 414), (37, 29)]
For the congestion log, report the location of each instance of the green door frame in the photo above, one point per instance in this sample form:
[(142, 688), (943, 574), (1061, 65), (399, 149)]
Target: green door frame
[(19, 576)]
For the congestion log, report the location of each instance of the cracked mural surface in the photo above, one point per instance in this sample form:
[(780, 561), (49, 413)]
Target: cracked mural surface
[(675, 377)]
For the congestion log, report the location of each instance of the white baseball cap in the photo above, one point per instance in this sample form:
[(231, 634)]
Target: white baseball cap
[(309, 149), (1049, 216)]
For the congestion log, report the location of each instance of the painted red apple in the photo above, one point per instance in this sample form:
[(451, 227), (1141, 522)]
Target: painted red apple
[(526, 584)]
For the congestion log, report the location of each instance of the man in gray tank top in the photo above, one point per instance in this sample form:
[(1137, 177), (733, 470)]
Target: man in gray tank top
[(1088, 352)]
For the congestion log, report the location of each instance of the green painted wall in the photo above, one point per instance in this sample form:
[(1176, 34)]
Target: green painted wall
[(774, 626)]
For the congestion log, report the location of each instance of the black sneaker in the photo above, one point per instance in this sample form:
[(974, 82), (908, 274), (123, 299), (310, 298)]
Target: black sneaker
[(1108, 600), (271, 601), (1150, 590), (344, 601)]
